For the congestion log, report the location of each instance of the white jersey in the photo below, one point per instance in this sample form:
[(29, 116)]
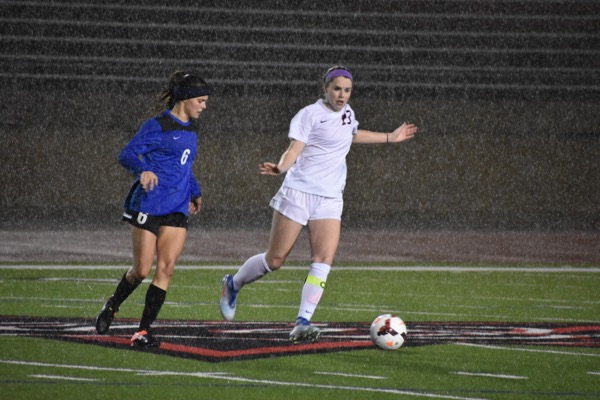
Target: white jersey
[(321, 167)]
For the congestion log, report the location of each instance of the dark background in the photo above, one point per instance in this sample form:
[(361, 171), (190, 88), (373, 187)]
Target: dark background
[(506, 96)]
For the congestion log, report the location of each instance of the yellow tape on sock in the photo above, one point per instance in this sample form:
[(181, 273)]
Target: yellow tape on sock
[(313, 280)]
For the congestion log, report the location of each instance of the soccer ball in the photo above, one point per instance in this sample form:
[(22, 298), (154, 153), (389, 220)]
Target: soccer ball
[(388, 332)]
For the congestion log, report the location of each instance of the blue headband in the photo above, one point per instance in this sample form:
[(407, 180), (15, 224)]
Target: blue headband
[(338, 72), (184, 93)]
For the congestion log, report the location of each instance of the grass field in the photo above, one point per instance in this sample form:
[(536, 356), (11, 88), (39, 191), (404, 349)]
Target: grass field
[(39, 368)]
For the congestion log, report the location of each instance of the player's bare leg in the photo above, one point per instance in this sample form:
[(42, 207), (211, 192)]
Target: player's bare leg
[(169, 246), (324, 236), (144, 245), (284, 234)]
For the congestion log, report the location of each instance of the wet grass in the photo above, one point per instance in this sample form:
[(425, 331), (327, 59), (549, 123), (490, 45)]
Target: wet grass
[(32, 368)]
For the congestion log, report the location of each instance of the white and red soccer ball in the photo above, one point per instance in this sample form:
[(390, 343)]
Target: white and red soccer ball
[(388, 332)]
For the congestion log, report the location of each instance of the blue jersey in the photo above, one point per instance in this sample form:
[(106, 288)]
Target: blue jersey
[(166, 146)]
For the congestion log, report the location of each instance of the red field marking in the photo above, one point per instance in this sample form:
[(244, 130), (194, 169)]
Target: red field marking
[(230, 341)]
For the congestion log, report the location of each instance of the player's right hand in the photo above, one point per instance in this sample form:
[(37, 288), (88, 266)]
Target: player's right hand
[(148, 180), (268, 168)]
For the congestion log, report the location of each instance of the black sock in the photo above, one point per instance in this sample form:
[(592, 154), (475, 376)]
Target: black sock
[(124, 289), (155, 297)]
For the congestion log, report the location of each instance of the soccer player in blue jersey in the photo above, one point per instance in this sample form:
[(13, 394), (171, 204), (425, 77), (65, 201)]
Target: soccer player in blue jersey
[(164, 193), (311, 195)]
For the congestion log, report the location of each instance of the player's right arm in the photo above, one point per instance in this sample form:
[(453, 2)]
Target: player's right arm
[(285, 162), (132, 155), (145, 141)]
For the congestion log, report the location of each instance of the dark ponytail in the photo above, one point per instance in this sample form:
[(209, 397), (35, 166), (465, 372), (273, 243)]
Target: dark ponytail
[(182, 85)]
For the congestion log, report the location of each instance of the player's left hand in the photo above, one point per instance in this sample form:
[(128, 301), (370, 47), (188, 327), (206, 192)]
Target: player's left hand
[(195, 205), (404, 132)]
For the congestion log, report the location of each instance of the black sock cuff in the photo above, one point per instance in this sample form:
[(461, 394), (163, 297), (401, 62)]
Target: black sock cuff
[(124, 289), (155, 291), (135, 283)]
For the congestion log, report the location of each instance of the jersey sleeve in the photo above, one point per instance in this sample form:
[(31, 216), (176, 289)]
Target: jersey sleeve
[(301, 126), (144, 141), (355, 123)]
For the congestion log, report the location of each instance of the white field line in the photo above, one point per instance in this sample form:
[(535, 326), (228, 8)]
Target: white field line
[(280, 306), (354, 308), (268, 282), (56, 303), (488, 375), (229, 378), (67, 378), (567, 353), (554, 319), (82, 280), (34, 245), (431, 268), (350, 375)]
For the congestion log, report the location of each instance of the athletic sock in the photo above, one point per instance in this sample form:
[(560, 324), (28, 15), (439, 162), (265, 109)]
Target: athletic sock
[(253, 269), (124, 289), (313, 289), (155, 297)]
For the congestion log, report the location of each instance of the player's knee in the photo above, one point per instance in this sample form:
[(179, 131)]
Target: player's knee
[(274, 262), (165, 269), (137, 274)]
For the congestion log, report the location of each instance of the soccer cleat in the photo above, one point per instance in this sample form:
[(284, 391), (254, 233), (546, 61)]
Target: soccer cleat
[(304, 332), (144, 340), (228, 297), (105, 316)]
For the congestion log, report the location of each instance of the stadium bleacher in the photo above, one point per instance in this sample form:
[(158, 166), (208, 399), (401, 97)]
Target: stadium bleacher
[(472, 48), (505, 94)]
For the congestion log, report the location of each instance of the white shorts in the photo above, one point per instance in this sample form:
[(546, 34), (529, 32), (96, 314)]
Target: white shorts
[(302, 207)]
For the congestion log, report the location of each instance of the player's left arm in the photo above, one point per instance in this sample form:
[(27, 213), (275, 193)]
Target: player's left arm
[(403, 132), (196, 196)]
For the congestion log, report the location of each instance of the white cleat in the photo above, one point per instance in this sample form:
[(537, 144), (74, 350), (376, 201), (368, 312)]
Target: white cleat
[(304, 333)]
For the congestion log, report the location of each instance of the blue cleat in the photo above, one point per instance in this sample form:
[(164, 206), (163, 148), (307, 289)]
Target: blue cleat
[(228, 297)]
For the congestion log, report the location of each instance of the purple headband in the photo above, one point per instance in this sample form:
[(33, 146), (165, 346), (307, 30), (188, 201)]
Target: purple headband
[(337, 72)]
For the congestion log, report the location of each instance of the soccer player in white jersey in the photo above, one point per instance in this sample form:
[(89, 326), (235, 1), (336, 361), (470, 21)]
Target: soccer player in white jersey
[(311, 195)]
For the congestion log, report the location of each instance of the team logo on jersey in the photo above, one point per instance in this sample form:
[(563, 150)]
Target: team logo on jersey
[(229, 341)]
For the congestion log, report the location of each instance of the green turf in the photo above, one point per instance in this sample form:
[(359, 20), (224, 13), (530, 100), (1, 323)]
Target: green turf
[(73, 371)]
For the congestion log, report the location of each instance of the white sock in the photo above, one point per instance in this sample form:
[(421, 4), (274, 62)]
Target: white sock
[(253, 269), (313, 289)]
